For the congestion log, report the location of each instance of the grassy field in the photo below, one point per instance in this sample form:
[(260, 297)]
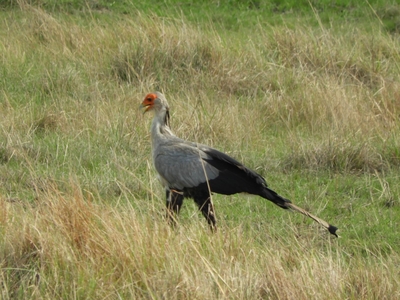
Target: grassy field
[(306, 93)]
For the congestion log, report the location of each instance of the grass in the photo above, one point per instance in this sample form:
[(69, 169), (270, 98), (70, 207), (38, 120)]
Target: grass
[(72, 247), (307, 96)]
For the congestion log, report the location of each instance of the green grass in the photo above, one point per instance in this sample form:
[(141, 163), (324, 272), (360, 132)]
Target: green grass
[(305, 95)]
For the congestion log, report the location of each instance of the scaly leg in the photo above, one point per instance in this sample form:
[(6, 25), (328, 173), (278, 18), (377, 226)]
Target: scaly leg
[(174, 204)]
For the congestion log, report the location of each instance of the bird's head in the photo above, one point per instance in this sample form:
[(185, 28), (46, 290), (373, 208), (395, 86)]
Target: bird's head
[(157, 102), (154, 101)]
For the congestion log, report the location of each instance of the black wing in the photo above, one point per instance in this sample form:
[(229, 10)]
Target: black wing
[(234, 178)]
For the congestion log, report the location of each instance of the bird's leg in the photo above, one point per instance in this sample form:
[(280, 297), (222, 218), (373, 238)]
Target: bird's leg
[(174, 204), (207, 209)]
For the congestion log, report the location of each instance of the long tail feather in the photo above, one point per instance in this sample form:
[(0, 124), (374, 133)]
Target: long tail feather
[(332, 229), (287, 204)]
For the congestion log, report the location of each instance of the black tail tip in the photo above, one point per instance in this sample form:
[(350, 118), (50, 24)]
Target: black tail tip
[(332, 229)]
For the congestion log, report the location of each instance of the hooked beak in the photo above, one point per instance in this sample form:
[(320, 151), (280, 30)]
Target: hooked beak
[(144, 107)]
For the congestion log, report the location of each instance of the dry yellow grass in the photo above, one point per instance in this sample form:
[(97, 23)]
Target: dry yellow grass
[(69, 246)]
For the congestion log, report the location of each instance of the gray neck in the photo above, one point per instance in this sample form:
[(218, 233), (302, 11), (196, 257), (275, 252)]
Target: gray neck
[(159, 128)]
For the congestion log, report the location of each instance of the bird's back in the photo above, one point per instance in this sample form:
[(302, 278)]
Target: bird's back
[(182, 164)]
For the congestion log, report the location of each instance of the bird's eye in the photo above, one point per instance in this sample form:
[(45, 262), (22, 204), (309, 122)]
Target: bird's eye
[(149, 99)]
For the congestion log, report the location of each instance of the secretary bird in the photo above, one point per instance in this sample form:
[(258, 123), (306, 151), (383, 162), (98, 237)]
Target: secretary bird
[(188, 169)]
